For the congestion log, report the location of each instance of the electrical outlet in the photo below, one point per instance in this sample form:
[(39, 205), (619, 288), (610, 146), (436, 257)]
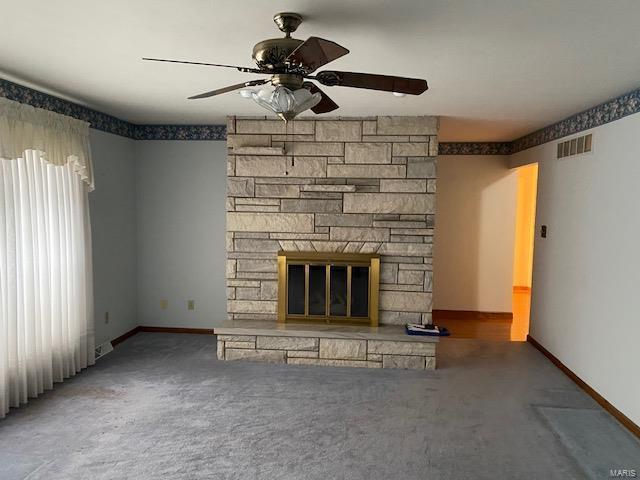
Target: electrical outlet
[(191, 305), (106, 317), (164, 303)]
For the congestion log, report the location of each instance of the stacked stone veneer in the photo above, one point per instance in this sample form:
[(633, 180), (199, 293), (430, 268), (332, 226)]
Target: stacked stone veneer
[(334, 185), (337, 352)]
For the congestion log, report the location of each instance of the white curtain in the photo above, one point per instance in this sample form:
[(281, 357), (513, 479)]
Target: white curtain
[(46, 292)]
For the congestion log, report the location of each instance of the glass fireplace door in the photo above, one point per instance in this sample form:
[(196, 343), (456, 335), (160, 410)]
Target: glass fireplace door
[(317, 290), (338, 290), (328, 291)]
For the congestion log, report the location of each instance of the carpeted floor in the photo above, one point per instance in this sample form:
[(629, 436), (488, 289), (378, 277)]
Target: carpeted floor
[(161, 406)]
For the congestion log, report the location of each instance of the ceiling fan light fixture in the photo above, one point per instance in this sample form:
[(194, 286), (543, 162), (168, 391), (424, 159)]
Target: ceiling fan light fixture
[(284, 102), (399, 94), (246, 93)]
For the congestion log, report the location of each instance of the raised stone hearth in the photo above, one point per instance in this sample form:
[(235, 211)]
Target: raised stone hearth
[(329, 345)]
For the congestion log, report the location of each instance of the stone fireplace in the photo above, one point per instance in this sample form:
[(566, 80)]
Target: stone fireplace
[(346, 186)]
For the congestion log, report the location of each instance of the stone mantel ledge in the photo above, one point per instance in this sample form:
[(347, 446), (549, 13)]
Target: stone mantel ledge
[(395, 333)]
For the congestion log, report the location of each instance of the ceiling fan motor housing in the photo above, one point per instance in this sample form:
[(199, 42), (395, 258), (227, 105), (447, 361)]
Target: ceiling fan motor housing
[(271, 54)]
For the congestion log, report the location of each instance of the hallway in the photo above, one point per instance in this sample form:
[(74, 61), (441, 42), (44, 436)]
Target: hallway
[(495, 329)]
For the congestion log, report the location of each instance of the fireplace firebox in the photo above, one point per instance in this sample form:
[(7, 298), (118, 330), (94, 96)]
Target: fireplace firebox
[(328, 287)]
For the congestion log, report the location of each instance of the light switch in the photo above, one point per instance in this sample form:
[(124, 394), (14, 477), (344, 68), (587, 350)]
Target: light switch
[(191, 305), (164, 303)]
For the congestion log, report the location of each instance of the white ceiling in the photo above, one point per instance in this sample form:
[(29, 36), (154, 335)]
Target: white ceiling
[(497, 69)]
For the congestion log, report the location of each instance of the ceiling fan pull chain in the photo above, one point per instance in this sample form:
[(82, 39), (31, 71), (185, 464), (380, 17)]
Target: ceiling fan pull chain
[(293, 159)]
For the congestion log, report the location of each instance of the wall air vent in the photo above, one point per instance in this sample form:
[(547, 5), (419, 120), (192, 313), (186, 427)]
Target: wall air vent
[(575, 146), (102, 350)]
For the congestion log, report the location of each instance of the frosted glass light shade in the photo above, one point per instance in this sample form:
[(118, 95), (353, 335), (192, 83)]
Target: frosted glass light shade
[(286, 103)]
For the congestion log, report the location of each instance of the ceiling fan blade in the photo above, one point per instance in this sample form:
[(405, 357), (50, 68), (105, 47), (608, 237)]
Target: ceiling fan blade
[(242, 69), (326, 104), (412, 86), (230, 88), (315, 52)]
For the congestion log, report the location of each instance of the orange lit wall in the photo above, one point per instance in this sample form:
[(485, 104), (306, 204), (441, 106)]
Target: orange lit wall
[(525, 225)]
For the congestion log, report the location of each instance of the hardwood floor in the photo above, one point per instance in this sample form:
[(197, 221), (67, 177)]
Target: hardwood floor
[(494, 329), (521, 310)]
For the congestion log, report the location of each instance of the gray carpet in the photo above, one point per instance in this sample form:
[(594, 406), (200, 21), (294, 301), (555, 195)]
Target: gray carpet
[(161, 406)]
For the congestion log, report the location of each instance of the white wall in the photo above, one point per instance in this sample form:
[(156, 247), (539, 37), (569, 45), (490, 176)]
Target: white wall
[(475, 230), (586, 273), (113, 224), (181, 191)]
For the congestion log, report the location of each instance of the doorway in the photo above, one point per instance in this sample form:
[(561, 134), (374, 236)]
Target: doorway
[(523, 249)]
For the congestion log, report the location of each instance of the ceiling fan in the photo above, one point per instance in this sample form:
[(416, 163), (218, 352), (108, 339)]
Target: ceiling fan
[(290, 62)]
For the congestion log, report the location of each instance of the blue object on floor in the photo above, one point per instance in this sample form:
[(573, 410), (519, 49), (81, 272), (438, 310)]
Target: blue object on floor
[(444, 332)]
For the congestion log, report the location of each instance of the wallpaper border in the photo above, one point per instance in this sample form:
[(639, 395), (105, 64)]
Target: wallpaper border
[(609, 111), (108, 123)]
